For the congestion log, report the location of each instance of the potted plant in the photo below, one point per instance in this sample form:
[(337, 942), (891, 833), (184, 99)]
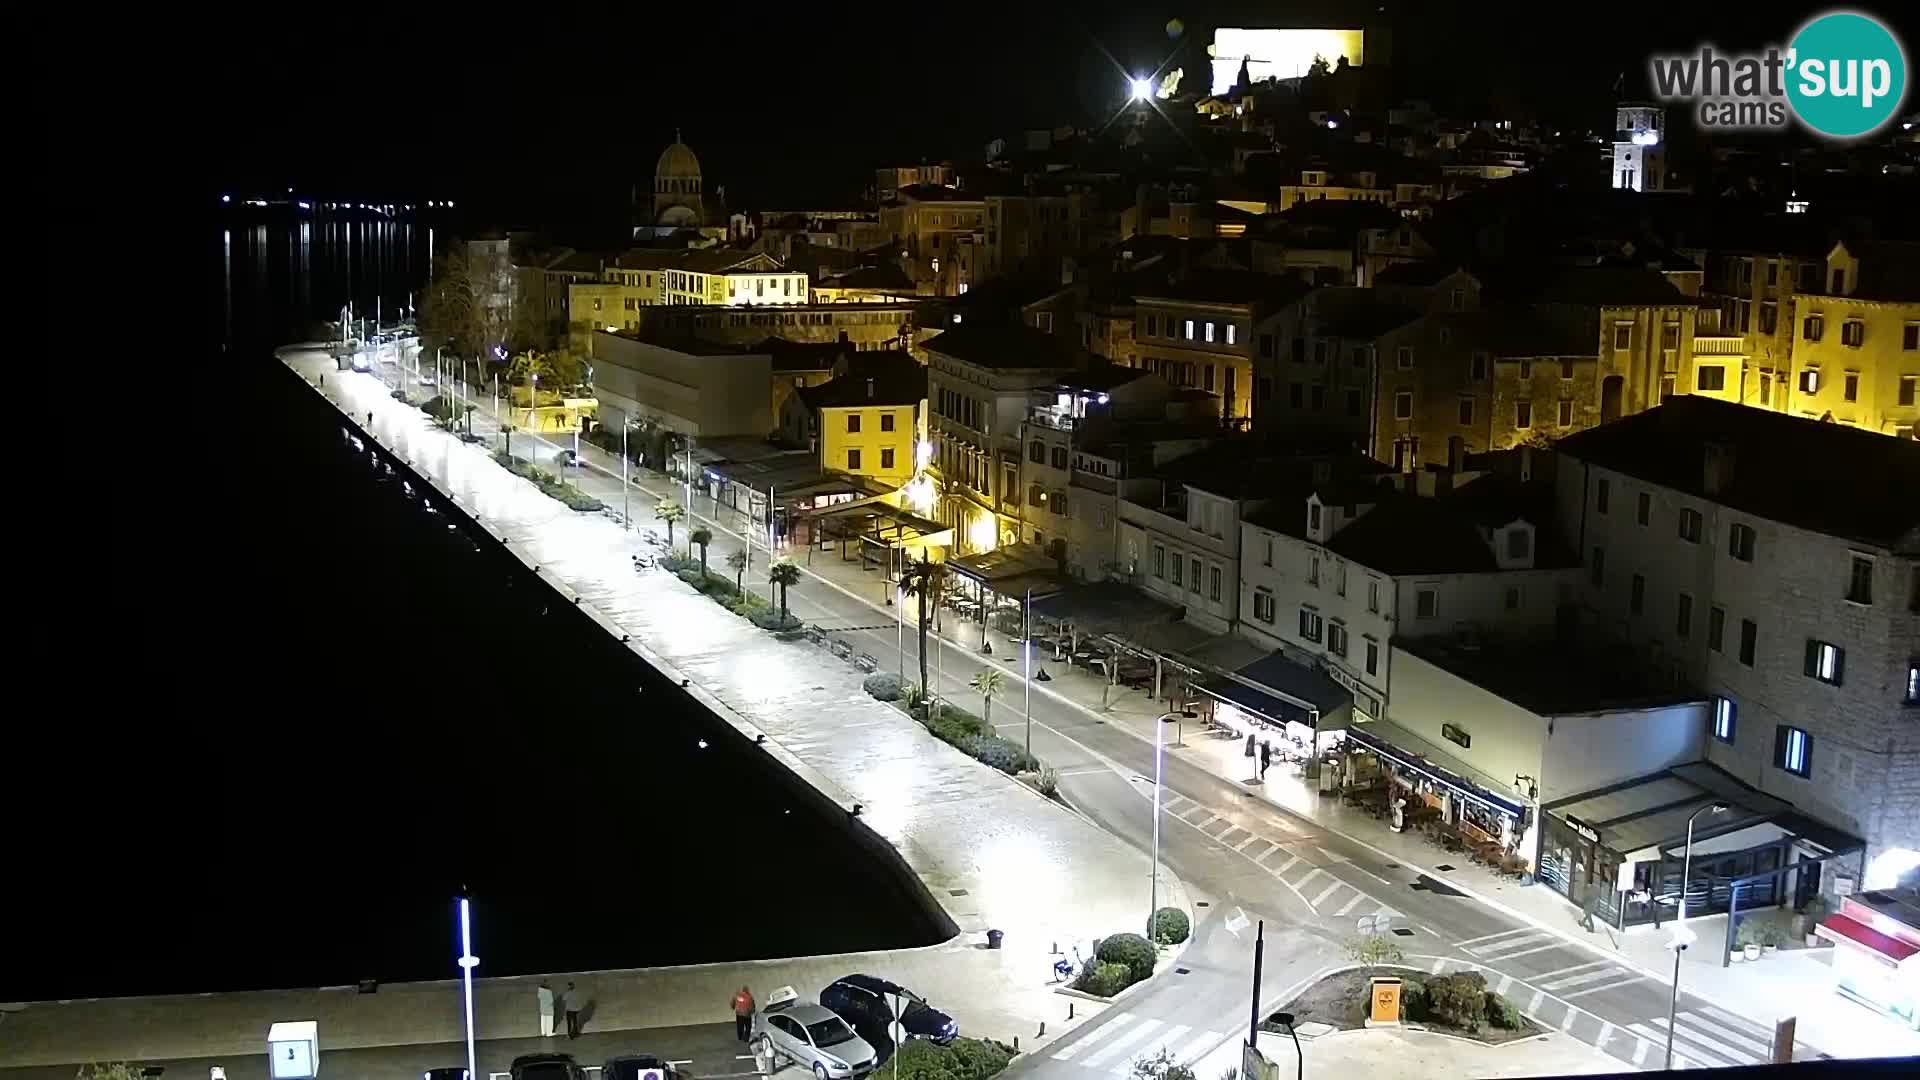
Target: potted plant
[(1748, 939), (1770, 938), (1814, 911)]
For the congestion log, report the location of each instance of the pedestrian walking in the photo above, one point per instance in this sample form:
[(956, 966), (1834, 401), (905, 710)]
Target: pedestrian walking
[(546, 1009), (575, 1004), (743, 1014), (1266, 758), (1586, 909)]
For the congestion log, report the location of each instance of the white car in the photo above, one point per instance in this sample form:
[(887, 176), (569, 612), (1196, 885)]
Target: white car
[(811, 1036)]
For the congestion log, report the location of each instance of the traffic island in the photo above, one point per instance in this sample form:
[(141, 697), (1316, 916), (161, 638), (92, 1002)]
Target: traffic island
[(1459, 1005)]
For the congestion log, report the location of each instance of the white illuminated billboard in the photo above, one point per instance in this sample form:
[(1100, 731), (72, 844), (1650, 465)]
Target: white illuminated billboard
[(1280, 54)]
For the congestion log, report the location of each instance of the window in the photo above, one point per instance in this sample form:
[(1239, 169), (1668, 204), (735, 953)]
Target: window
[(1860, 580), (1711, 378), (1852, 333), (1230, 334), (1566, 370), (1810, 380), (1355, 402), (1769, 317), (1153, 326), (1670, 336), (886, 421), (1403, 356), (1208, 330), (1526, 370), (1909, 384), (1313, 571), (853, 423), (1749, 640), (1037, 452), (1403, 404), (1910, 337), (1268, 561), (1716, 626), (1310, 625), (1622, 336), (1518, 545), (1913, 682), (1189, 329), (1690, 526), (853, 460), (1850, 386), (1457, 299), (1740, 542), (1478, 369), (1603, 488), (1683, 617), (1159, 562), (1337, 639), (1812, 327), (1825, 661), (1263, 606), (1637, 595), (1213, 583), (1426, 603), (1178, 566), (1599, 567), (1466, 411), (1793, 750), (1266, 345), (1523, 414), (886, 459), (1373, 595), (1340, 579), (1373, 657), (1513, 598), (1296, 394), (1724, 714), (1193, 580), (1566, 412)]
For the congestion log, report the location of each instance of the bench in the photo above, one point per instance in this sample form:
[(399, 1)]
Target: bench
[(866, 662)]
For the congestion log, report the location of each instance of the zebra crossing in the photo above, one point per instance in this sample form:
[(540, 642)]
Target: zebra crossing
[(1287, 855), (1112, 1048), (1549, 976)]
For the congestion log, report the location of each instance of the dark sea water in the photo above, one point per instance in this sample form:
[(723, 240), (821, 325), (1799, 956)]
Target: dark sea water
[(339, 711)]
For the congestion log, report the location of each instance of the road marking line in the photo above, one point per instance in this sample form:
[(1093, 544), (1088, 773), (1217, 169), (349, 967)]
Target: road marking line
[(1566, 1022), (1086, 1037), (1577, 967), (1505, 981), (1225, 828), (1504, 957), (1501, 948), (1737, 1023), (1639, 1052), (1358, 899), (1138, 1033), (1656, 1028), (1632, 978), (1271, 848), (1205, 816), (1438, 964), (1234, 844), (1606, 1033), (1199, 1046), (1286, 866), (1248, 842), (1534, 1005), (1571, 981), (1125, 1067), (1302, 883), (1331, 889), (1470, 942), (1330, 856), (1753, 1046)]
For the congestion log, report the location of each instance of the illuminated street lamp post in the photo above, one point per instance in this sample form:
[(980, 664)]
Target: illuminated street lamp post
[(468, 962), (1153, 892), (1682, 936)]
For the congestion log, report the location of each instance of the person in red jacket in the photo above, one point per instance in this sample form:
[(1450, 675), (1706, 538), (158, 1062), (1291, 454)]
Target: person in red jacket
[(743, 1014)]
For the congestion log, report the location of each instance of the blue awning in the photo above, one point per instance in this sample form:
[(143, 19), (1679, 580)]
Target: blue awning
[(1260, 704), (1425, 766)]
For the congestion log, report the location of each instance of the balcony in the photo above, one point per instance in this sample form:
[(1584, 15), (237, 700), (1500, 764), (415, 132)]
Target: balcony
[(1049, 417), (1719, 345)]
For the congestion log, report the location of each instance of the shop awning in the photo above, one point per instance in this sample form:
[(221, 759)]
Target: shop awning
[(1283, 692), (1844, 931), (1249, 699), (998, 569), (1432, 765)]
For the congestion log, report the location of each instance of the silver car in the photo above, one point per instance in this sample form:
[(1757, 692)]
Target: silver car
[(811, 1036)]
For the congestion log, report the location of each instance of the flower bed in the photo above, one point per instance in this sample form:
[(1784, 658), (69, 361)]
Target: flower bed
[(571, 496), (1458, 1004)]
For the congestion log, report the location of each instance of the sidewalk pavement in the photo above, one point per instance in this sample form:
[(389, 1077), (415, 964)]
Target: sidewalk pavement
[(992, 851), (1406, 1052)]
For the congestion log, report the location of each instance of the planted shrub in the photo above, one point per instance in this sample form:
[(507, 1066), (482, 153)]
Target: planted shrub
[(771, 619), (1502, 1013), (883, 686), (1459, 1000), (1171, 926), (1003, 754), (961, 1059), (1413, 999), (1131, 950), (1047, 782), (1104, 978)]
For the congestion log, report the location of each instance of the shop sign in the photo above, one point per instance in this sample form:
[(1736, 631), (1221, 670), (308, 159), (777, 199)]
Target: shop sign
[(1586, 831), (1457, 735), (1364, 699)]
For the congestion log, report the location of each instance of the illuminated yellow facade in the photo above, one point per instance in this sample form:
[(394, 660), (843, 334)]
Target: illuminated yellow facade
[(1856, 360), (878, 442)]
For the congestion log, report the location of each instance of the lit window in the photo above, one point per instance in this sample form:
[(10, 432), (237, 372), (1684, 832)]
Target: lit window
[(1189, 329), (1853, 332), (1230, 334), (1826, 661), (1724, 714), (1913, 682), (1209, 330), (1793, 751)]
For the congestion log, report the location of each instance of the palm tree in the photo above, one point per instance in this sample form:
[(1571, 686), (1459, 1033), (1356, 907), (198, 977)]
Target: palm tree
[(927, 580), (785, 575), (669, 511), (987, 683), (700, 538), (738, 561)]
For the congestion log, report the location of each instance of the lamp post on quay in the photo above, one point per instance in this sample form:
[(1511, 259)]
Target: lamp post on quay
[(468, 962), (1153, 892), (1682, 935), (1300, 1062)]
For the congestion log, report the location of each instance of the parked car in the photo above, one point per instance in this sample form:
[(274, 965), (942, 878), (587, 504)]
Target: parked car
[(546, 1067), (811, 1036), (635, 1067), (865, 1001)]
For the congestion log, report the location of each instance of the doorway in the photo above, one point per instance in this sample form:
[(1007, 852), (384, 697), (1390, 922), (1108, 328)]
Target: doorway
[(1612, 390)]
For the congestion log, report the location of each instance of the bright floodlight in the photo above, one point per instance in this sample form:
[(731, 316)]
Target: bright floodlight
[(1142, 89)]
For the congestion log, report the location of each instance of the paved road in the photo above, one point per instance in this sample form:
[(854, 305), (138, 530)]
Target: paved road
[(707, 1050), (1241, 854)]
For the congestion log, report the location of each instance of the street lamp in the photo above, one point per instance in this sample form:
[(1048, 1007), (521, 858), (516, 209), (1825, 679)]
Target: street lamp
[(1140, 89), (1682, 936), (468, 962), (1299, 1061), (1153, 891), (1026, 660)]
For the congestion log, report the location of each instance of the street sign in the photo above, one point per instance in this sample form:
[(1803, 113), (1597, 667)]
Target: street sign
[(1385, 1002), (1378, 923)]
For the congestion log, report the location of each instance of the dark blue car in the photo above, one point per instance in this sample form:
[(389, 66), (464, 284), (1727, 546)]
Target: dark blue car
[(868, 1004)]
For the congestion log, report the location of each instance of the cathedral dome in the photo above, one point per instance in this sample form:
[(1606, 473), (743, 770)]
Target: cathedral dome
[(677, 162)]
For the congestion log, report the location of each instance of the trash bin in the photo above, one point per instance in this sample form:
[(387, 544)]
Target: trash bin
[(993, 939)]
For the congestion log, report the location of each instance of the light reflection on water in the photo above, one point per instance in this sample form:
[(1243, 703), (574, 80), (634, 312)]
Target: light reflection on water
[(279, 278)]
